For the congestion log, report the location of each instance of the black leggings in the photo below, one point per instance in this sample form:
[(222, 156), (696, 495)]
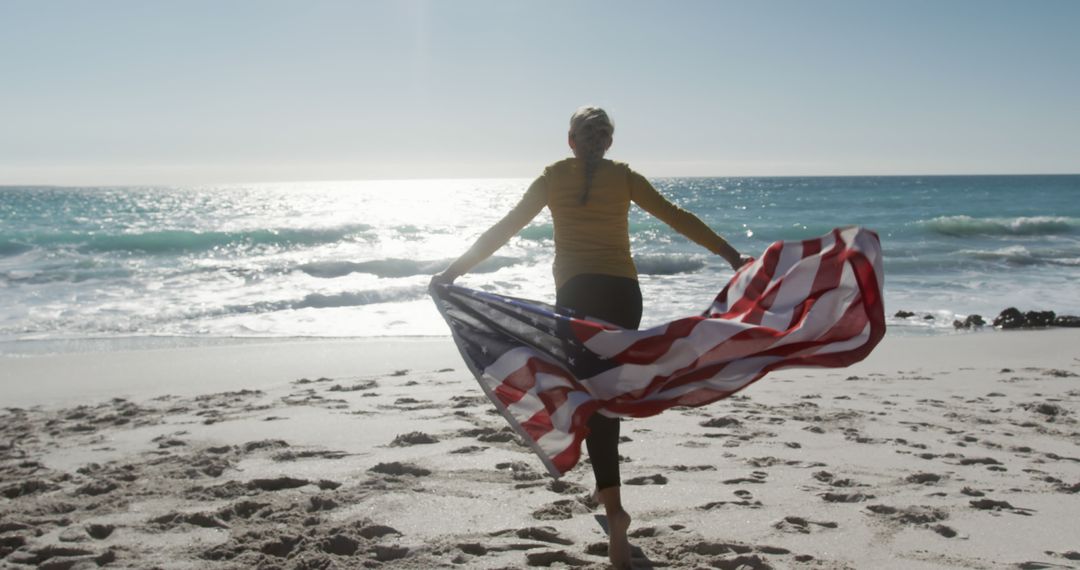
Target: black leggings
[(616, 300)]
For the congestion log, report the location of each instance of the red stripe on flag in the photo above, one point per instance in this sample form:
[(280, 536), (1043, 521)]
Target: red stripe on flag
[(538, 425), (520, 381), (584, 330), (758, 282), (758, 342), (552, 399), (649, 349), (515, 385), (757, 311), (568, 457), (830, 269)]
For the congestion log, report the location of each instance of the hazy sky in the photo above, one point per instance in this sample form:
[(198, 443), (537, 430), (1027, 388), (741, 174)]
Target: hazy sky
[(242, 91)]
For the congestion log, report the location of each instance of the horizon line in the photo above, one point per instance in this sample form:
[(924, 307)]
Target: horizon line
[(436, 178)]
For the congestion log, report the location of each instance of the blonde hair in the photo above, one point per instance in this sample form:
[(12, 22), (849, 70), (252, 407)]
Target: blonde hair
[(592, 131)]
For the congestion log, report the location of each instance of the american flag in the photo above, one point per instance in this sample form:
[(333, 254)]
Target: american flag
[(816, 302)]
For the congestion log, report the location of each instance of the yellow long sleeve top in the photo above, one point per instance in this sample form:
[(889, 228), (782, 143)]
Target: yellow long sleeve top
[(592, 237)]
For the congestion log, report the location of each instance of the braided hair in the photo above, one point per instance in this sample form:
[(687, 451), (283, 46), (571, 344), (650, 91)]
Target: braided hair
[(591, 129)]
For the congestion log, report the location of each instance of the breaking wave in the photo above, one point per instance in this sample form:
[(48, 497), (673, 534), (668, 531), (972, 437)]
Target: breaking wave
[(174, 241), (393, 268), (1020, 255), (668, 264), (959, 226), (334, 300)]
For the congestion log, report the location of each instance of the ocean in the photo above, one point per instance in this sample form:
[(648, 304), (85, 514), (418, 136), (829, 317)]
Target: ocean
[(105, 267)]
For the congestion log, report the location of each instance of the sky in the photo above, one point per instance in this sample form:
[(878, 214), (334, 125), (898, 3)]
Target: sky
[(192, 92)]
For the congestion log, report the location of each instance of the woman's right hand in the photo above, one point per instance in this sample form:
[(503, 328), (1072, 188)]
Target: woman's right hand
[(444, 278)]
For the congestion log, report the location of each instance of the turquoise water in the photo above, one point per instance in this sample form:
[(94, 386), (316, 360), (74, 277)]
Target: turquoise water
[(348, 259)]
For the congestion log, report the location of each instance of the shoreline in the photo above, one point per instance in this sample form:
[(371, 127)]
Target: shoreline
[(149, 370), (934, 452), (25, 347)]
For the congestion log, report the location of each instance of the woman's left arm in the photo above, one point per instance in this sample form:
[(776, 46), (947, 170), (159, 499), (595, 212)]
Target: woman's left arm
[(496, 236), (645, 195)]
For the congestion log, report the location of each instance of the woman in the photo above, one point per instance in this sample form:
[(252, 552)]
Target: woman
[(589, 198)]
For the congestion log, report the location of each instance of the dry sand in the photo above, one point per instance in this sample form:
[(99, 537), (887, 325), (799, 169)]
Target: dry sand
[(955, 452)]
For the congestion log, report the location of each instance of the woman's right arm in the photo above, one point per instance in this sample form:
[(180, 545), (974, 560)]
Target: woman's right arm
[(645, 195), (496, 236)]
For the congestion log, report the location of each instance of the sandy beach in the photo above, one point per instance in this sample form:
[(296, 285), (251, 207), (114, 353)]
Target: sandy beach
[(938, 452)]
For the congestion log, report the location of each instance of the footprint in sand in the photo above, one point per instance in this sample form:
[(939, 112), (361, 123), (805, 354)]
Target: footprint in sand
[(913, 515), (1068, 555), (992, 505), (1066, 488), (519, 471), (693, 468), (924, 478), (468, 401), (832, 481), (646, 532), (413, 438), (802, 525), (396, 469), (368, 385), (61, 557), (411, 404), (845, 497), (469, 449), (268, 547), (647, 480), (473, 549), (745, 500), (204, 520), (944, 530), (491, 435), (755, 477), (319, 503), (551, 557), (543, 534), (565, 487), (291, 455), (723, 422), (731, 556), (920, 516), (277, 483), (100, 531), (309, 381), (990, 462), (264, 444), (560, 510), (97, 487)]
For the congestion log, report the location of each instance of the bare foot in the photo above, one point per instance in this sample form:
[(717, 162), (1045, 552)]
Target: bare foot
[(618, 544)]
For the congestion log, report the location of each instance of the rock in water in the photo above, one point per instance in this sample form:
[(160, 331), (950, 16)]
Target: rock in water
[(904, 314), (1039, 318), (1010, 318), (1066, 321), (975, 321)]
